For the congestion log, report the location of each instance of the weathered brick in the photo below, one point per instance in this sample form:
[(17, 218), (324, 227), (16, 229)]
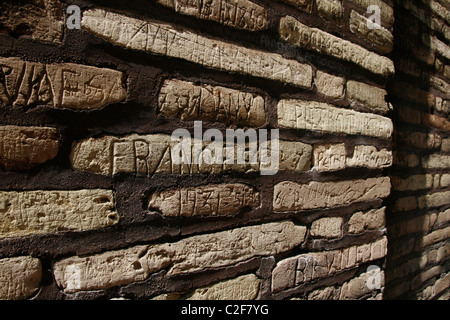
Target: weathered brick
[(381, 37), (304, 5), (240, 14), (291, 196), (151, 154), (187, 101), (329, 85), (436, 199), (405, 159), (370, 96), (211, 200), (410, 115), (417, 139), (445, 180), (43, 20), (25, 213), (357, 287), (298, 34), (334, 157), (22, 148), (328, 293), (196, 253), (165, 39), (386, 11), (327, 228), (20, 277), (445, 145), (63, 85), (436, 161), (435, 121), (311, 266), (318, 116), (405, 204), (412, 93), (330, 9), (414, 182), (370, 220)]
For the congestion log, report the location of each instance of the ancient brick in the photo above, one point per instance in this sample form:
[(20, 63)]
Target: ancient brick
[(311, 266), (445, 145), (405, 204), (165, 39), (405, 159), (20, 277), (370, 96), (304, 5), (64, 85), (418, 139), (298, 34), (386, 11), (435, 121), (413, 182), (22, 148), (412, 93), (151, 154), (318, 116), (329, 85), (330, 9), (240, 14), (409, 115), (328, 293), (245, 287), (445, 180), (436, 199), (370, 220), (357, 287), (381, 37), (43, 20), (432, 238), (291, 196), (434, 161), (327, 227), (186, 101), (212, 200), (196, 253), (25, 213), (334, 157)]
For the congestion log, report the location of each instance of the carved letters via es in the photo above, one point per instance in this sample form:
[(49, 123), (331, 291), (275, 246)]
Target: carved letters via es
[(65, 85)]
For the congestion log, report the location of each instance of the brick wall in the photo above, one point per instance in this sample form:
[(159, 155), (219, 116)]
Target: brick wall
[(94, 204)]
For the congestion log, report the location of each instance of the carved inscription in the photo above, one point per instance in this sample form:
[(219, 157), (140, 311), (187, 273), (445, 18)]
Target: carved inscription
[(298, 34), (318, 116), (291, 196), (196, 253), (151, 154), (330, 9), (241, 14), (24, 213), (294, 271), (212, 200), (20, 277), (167, 40), (65, 85), (22, 148), (334, 157), (186, 101)]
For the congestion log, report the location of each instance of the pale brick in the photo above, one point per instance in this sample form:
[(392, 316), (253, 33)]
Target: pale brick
[(43, 20), (434, 200), (187, 101), (165, 39), (442, 284), (329, 85), (151, 154), (445, 145), (357, 287), (318, 116), (240, 14), (432, 238), (291, 196), (20, 277), (381, 37), (191, 254), (63, 85), (304, 5), (405, 204), (330, 9), (435, 161), (245, 287), (386, 11), (327, 227), (370, 96), (298, 34), (25, 213), (370, 220), (314, 265), (334, 157), (25, 147), (445, 180), (414, 182), (328, 293), (211, 200)]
